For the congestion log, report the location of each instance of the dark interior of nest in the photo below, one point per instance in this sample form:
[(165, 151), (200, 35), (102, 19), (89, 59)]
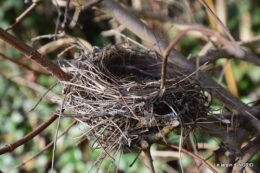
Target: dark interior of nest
[(116, 92)]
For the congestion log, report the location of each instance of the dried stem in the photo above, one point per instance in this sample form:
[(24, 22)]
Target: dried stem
[(149, 159), (128, 106), (65, 21), (224, 28)]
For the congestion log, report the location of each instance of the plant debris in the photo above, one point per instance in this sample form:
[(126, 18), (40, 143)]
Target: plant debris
[(116, 93)]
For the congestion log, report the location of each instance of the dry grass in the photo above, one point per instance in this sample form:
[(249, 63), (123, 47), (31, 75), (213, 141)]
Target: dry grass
[(116, 93)]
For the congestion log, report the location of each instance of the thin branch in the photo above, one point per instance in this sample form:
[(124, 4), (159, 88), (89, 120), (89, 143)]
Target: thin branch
[(250, 145), (245, 159), (214, 55), (34, 55), (24, 14), (89, 5), (19, 63), (38, 130), (57, 23), (128, 106), (231, 161), (191, 154), (44, 149), (149, 159), (66, 14), (224, 28), (230, 47)]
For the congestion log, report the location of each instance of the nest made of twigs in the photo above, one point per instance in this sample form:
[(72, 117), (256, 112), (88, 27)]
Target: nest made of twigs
[(116, 93)]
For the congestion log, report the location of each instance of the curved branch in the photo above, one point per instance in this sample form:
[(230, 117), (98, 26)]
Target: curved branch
[(191, 154)]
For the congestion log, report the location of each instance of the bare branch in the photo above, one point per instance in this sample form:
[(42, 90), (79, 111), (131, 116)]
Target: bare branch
[(213, 55), (149, 159), (34, 55), (24, 14), (44, 149), (191, 154), (39, 129)]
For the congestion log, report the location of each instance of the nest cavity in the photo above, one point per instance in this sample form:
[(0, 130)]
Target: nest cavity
[(116, 93)]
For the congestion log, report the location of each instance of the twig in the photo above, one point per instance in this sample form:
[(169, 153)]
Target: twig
[(250, 145), (44, 149), (231, 48), (191, 154), (38, 130), (246, 158), (57, 128), (128, 106), (49, 36), (149, 159), (57, 23), (24, 14), (224, 28), (65, 50), (19, 63), (213, 55), (231, 161), (34, 55), (66, 14), (89, 5), (165, 58), (43, 96), (136, 157)]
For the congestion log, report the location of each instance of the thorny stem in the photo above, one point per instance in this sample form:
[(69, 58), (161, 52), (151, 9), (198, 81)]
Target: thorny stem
[(149, 159)]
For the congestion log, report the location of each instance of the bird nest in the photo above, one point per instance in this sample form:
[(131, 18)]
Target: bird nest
[(116, 93)]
